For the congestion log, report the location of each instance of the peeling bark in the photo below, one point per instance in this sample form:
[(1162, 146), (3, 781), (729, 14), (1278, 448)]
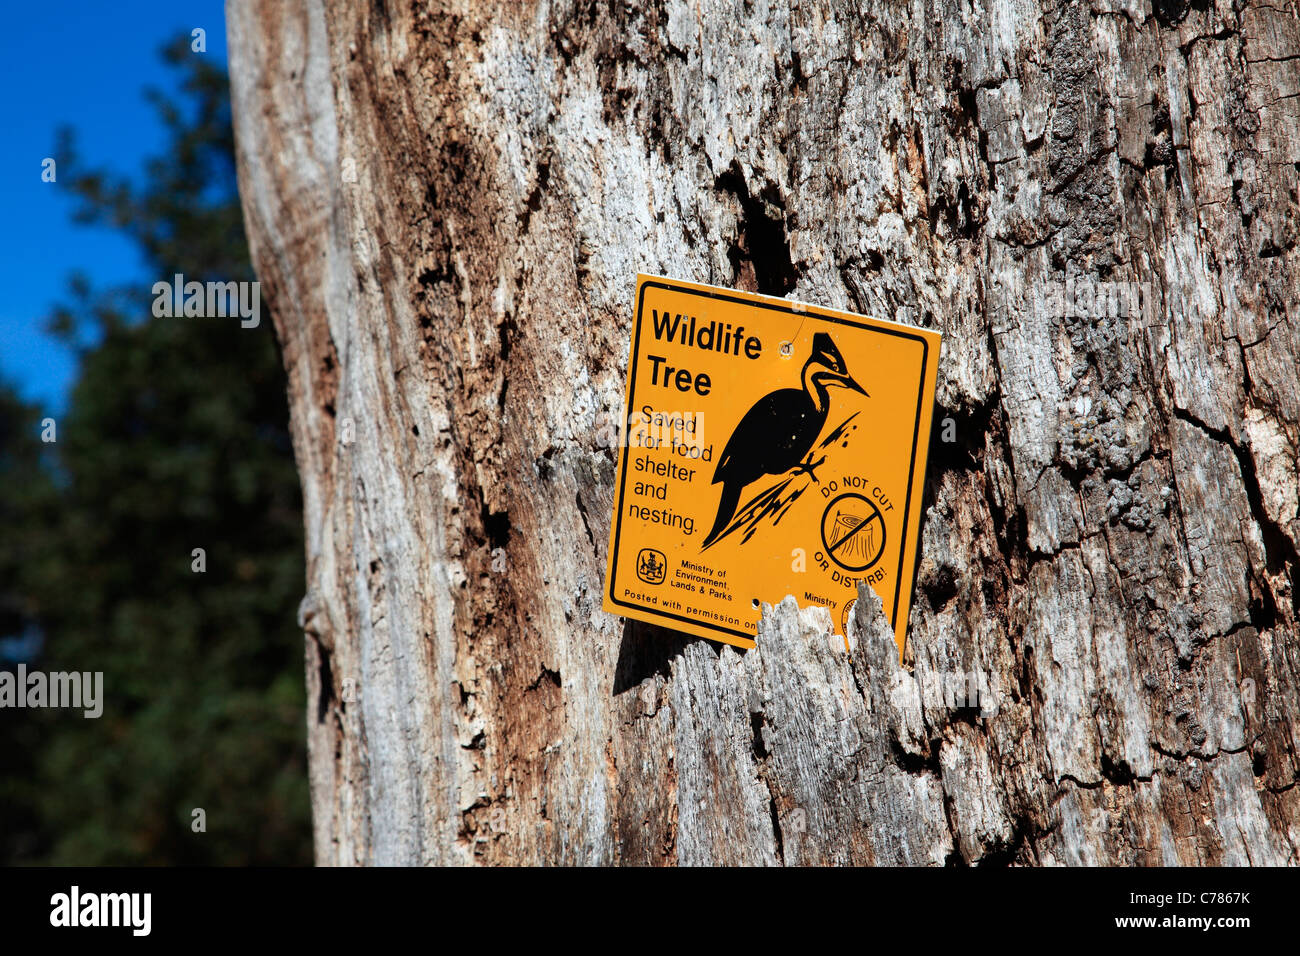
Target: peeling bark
[(447, 206)]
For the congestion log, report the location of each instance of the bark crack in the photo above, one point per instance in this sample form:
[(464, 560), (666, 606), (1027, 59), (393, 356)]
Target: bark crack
[(1281, 555)]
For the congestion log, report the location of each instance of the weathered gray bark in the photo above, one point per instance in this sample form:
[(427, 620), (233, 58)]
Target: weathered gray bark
[(1111, 540)]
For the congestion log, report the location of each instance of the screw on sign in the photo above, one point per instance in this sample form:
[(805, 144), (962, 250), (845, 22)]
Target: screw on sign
[(818, 424)]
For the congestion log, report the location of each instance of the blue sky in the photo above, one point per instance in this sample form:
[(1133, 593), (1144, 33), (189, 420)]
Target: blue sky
[(84, 65)]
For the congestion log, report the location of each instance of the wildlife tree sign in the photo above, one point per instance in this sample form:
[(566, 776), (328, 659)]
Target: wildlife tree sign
[(772, 448)]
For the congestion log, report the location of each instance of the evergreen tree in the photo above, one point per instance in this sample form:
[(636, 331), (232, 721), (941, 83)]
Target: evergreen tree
[(175, 439)]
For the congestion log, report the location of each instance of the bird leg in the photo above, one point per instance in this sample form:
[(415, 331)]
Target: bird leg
[(808, 467)]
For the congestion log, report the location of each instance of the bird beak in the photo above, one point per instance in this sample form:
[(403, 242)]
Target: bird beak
[(847, 381)]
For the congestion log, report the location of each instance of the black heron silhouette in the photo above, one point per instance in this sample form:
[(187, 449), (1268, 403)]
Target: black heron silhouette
[(776, 434)]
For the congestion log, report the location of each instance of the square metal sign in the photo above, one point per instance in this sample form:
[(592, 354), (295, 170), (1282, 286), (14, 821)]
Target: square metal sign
[(771, 448)]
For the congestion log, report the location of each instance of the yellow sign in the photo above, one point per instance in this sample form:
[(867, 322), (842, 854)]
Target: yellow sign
[(771, 448)]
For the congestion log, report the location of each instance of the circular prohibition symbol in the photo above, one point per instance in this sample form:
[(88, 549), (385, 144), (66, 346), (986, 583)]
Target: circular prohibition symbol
[(853, 532)]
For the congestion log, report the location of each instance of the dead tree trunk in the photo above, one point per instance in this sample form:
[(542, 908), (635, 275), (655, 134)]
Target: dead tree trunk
[(1098, 205)]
